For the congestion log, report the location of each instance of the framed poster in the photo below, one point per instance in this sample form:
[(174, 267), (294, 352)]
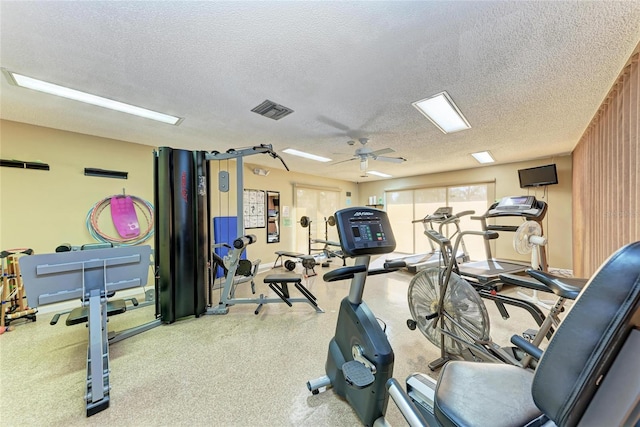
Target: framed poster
[(254, 208)]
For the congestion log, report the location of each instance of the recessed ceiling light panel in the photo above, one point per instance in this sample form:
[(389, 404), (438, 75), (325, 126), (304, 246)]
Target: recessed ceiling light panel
[(483, 157), (443, 112), (383, 175), (305, 155), (76, 95)]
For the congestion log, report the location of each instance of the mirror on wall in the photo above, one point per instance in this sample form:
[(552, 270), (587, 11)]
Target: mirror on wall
[(273, 216)]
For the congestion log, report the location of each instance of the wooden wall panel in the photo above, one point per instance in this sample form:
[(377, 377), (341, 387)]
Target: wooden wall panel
[(606, 202)]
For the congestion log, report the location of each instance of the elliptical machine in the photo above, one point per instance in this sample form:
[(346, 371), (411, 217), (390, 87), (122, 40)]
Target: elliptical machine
[(360, 358)]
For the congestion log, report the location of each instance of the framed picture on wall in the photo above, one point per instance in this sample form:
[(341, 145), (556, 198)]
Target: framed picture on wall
[(254, 202)]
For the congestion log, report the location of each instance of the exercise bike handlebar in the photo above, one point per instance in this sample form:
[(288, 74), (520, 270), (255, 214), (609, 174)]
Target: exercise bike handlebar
[(454, 219), (344, 273), (244, 241), (441, 220), (442, 240)]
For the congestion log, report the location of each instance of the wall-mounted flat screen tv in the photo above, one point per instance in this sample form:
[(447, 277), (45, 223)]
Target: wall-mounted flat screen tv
[(539, 176)]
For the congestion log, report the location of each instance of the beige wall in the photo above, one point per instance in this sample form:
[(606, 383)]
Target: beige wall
[(557, 224), (42, 209)]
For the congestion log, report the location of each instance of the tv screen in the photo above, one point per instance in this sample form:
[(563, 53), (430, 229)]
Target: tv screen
[(537, 177)]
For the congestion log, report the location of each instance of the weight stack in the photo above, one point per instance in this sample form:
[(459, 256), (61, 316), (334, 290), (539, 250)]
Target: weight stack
[(182, 233)]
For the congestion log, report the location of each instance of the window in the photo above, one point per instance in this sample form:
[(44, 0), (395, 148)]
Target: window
[(404, 206), (318, 205)]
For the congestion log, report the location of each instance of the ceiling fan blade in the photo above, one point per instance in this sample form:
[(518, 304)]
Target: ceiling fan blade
[(391, 159), (383, 151), (343, 161)]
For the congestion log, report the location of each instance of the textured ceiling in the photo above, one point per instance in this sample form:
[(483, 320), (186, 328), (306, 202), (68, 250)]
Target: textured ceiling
[(528, 76)]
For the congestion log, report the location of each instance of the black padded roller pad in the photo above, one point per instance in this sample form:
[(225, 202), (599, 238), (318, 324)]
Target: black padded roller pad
[(484, 394)]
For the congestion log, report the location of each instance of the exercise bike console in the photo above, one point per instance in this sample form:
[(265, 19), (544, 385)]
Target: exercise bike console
[(364, 231)]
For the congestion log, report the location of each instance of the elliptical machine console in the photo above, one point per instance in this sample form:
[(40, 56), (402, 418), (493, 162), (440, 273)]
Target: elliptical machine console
[(360, 358)]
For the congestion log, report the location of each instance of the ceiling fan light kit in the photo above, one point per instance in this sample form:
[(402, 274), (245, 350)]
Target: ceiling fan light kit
[(364, 153)]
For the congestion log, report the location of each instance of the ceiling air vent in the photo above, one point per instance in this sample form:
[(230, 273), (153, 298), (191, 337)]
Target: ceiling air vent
[(272, 110)]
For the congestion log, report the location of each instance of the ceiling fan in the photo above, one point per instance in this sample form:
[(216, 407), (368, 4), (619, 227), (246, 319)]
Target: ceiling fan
[(365, 153)]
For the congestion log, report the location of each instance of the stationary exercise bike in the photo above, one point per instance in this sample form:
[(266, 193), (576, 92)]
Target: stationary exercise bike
[(360, 358), (451, 314)]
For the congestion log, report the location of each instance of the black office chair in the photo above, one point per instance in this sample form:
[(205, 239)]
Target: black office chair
[(570, 385)]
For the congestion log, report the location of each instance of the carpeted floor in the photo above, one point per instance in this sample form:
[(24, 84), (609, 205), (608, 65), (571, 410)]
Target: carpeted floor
[(238, 369)]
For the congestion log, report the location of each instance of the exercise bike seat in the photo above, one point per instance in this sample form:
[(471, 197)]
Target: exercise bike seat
[(564, 287)]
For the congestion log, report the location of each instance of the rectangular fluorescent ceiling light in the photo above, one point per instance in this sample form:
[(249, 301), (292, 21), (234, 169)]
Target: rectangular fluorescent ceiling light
[(76, 95), (483, 157), (442, 112), (384, 175), (305, 155)]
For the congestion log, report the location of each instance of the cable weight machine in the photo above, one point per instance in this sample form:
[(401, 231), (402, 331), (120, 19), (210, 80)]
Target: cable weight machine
[(183, 230)]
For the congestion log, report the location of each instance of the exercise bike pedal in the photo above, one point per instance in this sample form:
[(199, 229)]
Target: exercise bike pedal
[(411, 324), (357, 375)]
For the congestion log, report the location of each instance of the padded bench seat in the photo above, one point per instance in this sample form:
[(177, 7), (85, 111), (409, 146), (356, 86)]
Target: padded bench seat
[(81, 314)]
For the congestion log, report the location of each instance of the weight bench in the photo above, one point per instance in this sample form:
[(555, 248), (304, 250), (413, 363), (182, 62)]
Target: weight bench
[(279, 283), (285, 254), (91, 276), (307, 261), (331, 253)]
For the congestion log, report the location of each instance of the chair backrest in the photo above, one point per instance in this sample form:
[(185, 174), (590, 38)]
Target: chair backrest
[(584, 346)]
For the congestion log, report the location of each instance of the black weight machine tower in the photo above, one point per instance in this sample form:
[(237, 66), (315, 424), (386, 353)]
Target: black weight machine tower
[(182, 223)]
